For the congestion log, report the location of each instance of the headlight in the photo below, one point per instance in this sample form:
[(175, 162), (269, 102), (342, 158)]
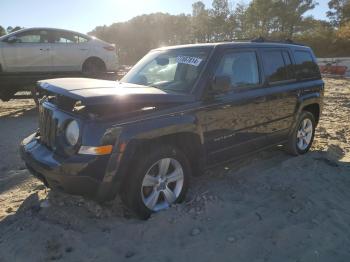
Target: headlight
[(72, 133)]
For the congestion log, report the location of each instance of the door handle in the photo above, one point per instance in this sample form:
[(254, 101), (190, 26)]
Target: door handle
[(83, 49), (44, 49)]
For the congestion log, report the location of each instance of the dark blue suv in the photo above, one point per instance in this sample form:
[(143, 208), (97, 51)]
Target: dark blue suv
[(180, 109)]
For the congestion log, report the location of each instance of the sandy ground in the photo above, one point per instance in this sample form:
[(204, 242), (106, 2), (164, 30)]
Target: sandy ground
[(270, 207)]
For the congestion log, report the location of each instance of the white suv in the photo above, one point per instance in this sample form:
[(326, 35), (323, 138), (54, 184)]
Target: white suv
[(55, 50)]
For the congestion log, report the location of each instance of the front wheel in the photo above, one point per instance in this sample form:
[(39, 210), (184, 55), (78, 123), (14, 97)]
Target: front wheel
[(159, 179), (301, 138)]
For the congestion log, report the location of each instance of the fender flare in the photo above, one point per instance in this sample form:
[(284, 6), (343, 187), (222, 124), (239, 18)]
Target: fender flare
[(303, 101), (133, 135), (308, 99)]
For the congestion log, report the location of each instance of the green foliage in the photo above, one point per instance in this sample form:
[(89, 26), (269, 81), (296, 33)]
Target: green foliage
[(137, 36), (219, 23), (2, 31), (339, 12), (16, 28), (273, 19), (200, 23), (11, 29)]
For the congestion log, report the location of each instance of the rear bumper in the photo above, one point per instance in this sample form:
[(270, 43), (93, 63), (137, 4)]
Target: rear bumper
[(111, 63), (68, 174)]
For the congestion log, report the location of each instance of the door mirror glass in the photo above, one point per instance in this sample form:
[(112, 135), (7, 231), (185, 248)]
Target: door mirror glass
[(12, 39), (221, 84)]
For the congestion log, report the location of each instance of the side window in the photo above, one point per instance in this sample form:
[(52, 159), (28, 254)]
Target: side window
[(241, 67), (82, 39), (289, 65), (35, 36), (63, 37), (277, 66), (306, 68)]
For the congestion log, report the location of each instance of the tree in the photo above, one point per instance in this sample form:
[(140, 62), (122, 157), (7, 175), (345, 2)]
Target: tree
[(16, 29), (239, 19), (320, 35), (273, 19), (277, 18), (290, 15), (344, 31), (200, 22), (261, 17), (11, 29), (339, 11), (198, 8), (2, 31), (219, 20), (137, 36)]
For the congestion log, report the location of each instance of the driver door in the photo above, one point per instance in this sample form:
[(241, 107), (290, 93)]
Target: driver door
[(29, 52), (233, 122)]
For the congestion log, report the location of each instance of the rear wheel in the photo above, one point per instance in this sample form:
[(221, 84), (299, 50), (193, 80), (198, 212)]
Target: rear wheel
[(158, 180), (93, 66), (302, 137), (7, 93)]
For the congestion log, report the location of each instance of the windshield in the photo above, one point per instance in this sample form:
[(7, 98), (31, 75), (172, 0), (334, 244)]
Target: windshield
[(171, 70)]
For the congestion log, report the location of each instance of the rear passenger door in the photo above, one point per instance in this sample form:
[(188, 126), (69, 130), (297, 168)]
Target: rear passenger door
[(282, 92), (232, 121), (69, 51)]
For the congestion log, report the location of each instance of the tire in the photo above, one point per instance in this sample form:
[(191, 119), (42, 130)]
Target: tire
[(294, 145), (7, 94), (139, 189), (94, 66)]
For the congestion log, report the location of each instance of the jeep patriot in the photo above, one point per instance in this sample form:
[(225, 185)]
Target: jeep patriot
[(178, 110)]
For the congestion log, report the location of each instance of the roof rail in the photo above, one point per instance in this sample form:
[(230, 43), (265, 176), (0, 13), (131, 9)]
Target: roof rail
[(261, 39)]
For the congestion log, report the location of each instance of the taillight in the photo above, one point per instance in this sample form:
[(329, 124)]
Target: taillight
[(109, 48)]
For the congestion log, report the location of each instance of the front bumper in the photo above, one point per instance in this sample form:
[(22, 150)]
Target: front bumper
[(74, 175)]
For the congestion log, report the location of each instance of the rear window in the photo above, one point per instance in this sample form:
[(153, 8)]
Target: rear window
[(306, 68), (277, 66)]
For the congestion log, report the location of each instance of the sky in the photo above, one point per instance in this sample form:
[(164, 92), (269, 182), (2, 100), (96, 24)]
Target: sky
[(84, 15)]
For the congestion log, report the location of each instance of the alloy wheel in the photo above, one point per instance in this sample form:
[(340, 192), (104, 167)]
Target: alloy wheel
[(304, 134), (162, 184)]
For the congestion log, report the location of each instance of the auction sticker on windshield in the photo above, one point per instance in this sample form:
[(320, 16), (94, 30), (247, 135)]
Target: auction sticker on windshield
[(195, 61)]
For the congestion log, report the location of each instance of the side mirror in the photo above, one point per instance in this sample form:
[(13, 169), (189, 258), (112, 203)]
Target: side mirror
[(12, 39), (221, 84)]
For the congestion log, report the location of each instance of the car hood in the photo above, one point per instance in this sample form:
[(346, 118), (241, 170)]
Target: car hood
[(92, 92)]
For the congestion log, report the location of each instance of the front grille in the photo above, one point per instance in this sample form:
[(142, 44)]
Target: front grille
[(47, 127)]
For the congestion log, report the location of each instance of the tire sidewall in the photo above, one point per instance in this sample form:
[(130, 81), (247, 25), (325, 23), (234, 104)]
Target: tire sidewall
[(93, 66), (132, 193), (304, 115)]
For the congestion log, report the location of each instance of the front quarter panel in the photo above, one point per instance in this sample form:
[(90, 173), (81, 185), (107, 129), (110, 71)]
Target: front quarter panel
[(132, 134), (154, 128)]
